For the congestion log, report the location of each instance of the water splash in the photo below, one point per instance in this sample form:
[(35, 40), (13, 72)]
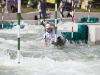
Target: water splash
[(36, 59)]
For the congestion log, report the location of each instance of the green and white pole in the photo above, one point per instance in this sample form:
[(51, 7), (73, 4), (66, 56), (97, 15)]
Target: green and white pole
[(61, 12), (55, 20), (19, 13)]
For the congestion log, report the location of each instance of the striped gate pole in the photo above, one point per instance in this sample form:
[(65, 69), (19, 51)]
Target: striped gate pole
[(72, 16), (61, 12), (39, 13), (88, 12), (2, 13), (55, 20), (88, 15), (19, 13), (74, 13)]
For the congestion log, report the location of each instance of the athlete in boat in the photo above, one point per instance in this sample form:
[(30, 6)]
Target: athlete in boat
[(49, 35)]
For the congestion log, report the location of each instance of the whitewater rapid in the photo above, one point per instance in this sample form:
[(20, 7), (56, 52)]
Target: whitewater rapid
[(36, 59)]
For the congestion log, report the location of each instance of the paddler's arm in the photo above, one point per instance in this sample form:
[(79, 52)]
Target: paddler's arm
[(51, 24)]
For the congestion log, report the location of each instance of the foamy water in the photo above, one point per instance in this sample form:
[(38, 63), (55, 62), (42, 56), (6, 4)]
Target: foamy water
[(36, 59)]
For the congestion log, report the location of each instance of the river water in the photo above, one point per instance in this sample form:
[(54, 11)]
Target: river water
[(36, 59)]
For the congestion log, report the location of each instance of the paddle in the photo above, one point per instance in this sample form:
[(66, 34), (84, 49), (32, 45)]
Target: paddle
[(45, 37), (45, 32)]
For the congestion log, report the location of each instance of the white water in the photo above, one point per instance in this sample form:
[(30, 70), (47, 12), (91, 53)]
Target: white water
[(36, 59)]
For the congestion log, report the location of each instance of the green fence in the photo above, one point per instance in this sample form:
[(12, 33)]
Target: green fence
[(89, 20), (80, 36), (10, 26)]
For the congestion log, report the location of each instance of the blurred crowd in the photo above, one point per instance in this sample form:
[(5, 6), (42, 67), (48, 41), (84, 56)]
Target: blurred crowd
[(10, 6)]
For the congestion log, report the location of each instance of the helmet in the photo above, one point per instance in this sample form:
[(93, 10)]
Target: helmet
[(48, 26)]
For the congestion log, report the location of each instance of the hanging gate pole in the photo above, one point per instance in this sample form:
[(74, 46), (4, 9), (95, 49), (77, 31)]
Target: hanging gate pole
[(55, 20), (61, 12), (2, 13), (39, 13), (72, 15), (19, 13)]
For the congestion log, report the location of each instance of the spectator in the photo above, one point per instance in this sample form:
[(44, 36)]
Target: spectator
[(68, 14), (80, 3), (15, 10), (61, 7), (30, 4), (8, 7), (11, 4), (43, 8), (86, 5), (15, 2)]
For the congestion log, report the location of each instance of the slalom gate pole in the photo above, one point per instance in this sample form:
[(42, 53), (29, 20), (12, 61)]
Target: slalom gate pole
[(74, 13), (88, 13), (39, 14), (72, 16), (19, 16), (61, 12), (46, 42), (55, 20), (2, 13)]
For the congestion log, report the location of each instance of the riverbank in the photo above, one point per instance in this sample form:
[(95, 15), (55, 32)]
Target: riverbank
[(27, 10)]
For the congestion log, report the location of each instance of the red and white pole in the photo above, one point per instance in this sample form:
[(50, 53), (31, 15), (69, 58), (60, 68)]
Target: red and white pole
[(72, 16)]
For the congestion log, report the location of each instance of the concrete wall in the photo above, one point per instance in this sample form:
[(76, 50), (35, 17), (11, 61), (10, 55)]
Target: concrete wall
[(94, 34), (31, 22), (94, 30), (13, 16), (30, 16)]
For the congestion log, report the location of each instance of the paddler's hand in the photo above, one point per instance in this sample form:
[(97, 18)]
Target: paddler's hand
[(45, 23)]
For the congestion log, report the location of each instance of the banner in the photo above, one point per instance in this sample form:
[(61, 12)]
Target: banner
[(48, 1), (52, 1), (83, 5)]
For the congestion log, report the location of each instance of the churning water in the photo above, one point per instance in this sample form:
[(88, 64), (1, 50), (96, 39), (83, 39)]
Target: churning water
[(36, 59)]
